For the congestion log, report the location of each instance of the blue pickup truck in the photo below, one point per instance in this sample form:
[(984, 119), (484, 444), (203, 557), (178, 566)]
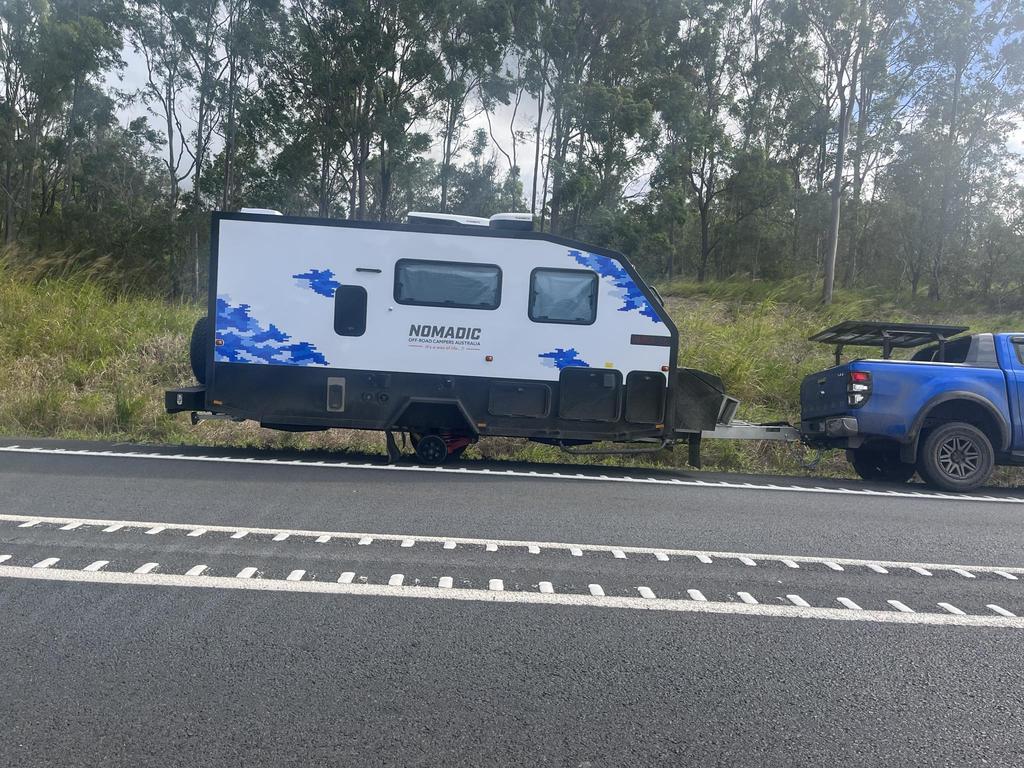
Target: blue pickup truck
[(950, 413)]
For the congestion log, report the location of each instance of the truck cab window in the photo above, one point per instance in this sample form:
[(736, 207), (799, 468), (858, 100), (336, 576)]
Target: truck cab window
[(563, 296), (447, 284)]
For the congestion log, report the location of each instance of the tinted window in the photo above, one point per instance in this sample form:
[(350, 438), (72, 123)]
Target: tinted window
[(563, 296), (447, 284)]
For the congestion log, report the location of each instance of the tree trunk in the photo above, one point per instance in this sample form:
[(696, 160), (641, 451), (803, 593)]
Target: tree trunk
[(837, 196), (947, 182), (536, 149)]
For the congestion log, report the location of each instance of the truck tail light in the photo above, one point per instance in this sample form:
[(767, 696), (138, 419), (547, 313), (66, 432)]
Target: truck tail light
[(858, 389)]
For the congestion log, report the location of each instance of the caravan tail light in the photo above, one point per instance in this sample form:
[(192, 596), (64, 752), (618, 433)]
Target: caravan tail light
[(858, 390)]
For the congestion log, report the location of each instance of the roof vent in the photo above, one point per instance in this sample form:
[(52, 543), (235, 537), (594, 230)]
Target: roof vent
[(262, 211), (520, 222)]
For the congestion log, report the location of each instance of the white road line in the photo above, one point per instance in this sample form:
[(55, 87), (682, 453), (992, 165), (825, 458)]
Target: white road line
[(646, 593), (848, 603), (280, 537), (147, 568), (495, 585), (449, 545), (96, 566), (965, 573), (156, 529), (29, 523), (112, 528), (346, 577), (747, 598), (396, 580), (365, 541), (491, 547), (239, 534), (528, 474), (746, 560), (696, 594), (877, 568), (920, 570), (618, 554), (323, 539), (445, 582), (195, 570), (246, 573), (999, 610), (951, 609), (1006, 575), (596, 590), (296, 575), (575, 549), (408, 542), (798, 601), (546, 588), (519, 597), (533, 549), (70, 526), (47, 562), (789, 563), (900, 606), (661, 556), (196, 532), (4, 558)]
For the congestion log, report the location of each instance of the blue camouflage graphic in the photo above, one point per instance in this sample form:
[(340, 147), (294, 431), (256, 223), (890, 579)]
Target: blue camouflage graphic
[(563, 358), (320, 280), (632, 297), (245, 340)]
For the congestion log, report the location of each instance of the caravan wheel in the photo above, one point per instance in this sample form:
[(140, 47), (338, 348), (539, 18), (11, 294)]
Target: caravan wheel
[(431, 449)]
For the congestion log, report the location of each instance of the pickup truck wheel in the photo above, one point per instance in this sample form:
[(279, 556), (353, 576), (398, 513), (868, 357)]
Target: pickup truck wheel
[(881, 465), (956, 457)]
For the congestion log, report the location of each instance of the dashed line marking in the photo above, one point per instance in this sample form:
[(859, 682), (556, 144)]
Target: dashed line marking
[(575, 551), (696, 594), (323, 539), (847, 602), (833, 566), (147, 568), (196, 532), (495, 585), (4, 558), (47, 562), (112, 528), (296, 575), (661, 556), (704, 559), (449, 545), (445, 582), (408, 543), (920, 570), (239, 534), (1001, 611), (97, 565), (596, 590), (546, 588), (900, 606), (396, 580), (246, 573), (29, 523), (951, 609), (798, 601), (646, 593), (491, 547), (747, 598), (533, 549), (877, 568), (346, 577), (966, 574), (155, 530), (746, 560), (365, 541), (790, 563), (70, 526), (618, 554), (280, 537), (195, 570), (1006, 575)]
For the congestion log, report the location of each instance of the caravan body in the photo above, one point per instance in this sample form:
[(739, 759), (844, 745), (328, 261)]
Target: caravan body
[(454, 330)]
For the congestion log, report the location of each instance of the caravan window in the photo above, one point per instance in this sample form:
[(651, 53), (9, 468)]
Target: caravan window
[(447, 284), (563, 296)]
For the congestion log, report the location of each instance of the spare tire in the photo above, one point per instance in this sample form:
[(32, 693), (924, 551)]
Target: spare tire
[(197, 349)]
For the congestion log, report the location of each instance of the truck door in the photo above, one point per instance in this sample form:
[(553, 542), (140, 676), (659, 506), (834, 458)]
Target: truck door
[(1014, 366)]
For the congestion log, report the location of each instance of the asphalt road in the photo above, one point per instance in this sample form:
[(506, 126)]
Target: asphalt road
[(220, 608)]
